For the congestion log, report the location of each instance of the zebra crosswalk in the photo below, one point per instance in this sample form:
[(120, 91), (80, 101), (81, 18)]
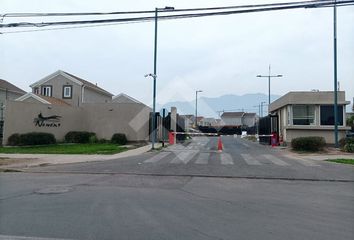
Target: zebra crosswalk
[(250, 160), (184, 157), (205, 158)]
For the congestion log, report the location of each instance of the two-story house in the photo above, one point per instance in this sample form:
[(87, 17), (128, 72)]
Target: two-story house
[(9, 91), (69, 88), (239, 119)]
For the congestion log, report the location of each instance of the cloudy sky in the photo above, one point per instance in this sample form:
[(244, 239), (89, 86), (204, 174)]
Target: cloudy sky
[(220, 55)]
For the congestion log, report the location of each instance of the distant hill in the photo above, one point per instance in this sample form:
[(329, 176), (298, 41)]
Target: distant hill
[(209, 107)]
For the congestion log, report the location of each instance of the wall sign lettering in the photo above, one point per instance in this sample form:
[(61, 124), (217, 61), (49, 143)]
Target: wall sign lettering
[(50, 121)]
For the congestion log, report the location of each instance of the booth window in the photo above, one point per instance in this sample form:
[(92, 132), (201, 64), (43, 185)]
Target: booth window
[(327, 115), (303, 114)]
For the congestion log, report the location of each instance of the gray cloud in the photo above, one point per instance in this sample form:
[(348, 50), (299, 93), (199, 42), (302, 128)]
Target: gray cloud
[(221, 55)]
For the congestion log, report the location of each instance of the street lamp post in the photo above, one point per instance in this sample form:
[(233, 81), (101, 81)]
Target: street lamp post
[(269, 76), (196, 107), (154, 75)]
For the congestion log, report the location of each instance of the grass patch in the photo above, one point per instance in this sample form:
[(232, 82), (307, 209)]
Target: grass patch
[(88, 148), (340, 160)]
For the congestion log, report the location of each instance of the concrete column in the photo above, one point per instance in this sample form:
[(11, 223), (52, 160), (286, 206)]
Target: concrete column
[(174, 120)]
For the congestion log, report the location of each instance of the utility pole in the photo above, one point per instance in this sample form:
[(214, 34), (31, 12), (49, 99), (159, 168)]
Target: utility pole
[(335, 74), (269, 76), (154, 76)]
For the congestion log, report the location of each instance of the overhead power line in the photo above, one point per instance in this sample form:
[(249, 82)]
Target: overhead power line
[(102, 22), (57, 14)]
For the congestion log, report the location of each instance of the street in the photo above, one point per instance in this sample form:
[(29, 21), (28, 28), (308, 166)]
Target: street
[(188, 191)]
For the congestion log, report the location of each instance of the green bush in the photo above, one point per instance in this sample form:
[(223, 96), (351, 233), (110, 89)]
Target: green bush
[(102, 140), (345, 141), (119, 138), (34, 138), (349, 147), (93, 139), (79, 137), (14, 140), (308, 143)]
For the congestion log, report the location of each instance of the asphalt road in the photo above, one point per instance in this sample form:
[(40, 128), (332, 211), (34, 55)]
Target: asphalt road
[(190, 192), (239, 158)]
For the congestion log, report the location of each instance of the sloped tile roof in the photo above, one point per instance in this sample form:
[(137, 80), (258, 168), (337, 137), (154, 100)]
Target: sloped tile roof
[(89, 84), (232, 114), (54, 101), (249, 115), (10, 87)]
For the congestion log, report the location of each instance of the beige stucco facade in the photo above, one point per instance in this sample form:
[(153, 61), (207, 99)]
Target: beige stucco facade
[(57, 83), (92, 96), (104, 119), (283, 108), (8, 95), (82, 91)]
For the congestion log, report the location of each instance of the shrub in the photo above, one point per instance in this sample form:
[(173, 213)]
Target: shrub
[(345, 141), (79, 137), (36, 138), (308, 143), (102, 140), (93, 139), (119, 138), (349, 147), (14, 140)]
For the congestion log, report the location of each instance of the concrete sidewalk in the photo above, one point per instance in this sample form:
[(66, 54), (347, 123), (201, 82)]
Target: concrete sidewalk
[(330, 153), (32, 160)]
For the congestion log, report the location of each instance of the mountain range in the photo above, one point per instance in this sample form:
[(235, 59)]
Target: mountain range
[(213, 107)]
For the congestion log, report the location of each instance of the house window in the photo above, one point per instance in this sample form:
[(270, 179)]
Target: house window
[(67, 91), (47, 91), (327, 115), (303, 115)]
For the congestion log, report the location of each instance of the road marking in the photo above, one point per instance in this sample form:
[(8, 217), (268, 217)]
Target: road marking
[(302, 161), (245, 144), (249, 159), (157, 157), (184, 157), (7, 237), (203, 158), (275, 160), (226, 159)]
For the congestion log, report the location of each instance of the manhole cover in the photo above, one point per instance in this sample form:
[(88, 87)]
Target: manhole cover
[(54, 190)]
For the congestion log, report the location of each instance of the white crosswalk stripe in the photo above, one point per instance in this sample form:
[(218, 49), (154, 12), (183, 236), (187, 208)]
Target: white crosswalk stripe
[(305, 162), (184, 157), (157, 157), (249, 159), (275, 160), (226, 159), (203, 158)]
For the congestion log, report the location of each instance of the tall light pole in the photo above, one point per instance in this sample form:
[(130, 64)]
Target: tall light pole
[(154, 76), (269, 76), (196, 107), (261, 115), (335, 74)]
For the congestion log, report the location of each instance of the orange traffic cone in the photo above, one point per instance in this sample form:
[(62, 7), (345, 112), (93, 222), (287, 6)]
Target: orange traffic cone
[(219, 144)]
